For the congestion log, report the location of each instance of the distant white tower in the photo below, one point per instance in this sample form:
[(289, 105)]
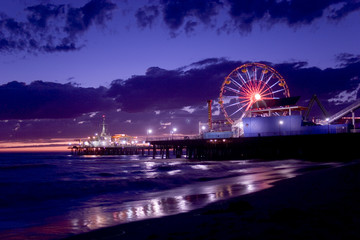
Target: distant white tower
[(103, 131)]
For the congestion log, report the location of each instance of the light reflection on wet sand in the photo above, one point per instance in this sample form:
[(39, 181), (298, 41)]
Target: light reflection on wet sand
[(152, 205)]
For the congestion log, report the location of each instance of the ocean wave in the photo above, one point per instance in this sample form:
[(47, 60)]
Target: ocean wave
[(26, 166)]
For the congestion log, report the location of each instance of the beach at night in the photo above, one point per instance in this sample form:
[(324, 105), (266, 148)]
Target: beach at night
[(61, 195), (168, 119), (318, 205)]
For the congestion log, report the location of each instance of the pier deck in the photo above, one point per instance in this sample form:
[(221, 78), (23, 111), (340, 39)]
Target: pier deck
[(129, 150), (322, 147)]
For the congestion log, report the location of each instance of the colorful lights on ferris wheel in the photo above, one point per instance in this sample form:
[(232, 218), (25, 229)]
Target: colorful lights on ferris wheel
[(248, 84)]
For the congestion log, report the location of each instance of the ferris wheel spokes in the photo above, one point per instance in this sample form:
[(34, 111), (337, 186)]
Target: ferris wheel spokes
[(232, 89), (269, 78), (236, 83), (241, 77), (237, 110), (280, 90), (233, 104), (262, 75), (248, 84)]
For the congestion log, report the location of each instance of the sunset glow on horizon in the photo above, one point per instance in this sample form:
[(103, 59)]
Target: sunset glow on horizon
[(51, 145)]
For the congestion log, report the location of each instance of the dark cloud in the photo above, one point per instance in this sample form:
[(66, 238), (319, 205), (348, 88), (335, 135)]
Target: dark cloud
[(292, 12), (175, 12), (171, 90), (80, 19), (160, 99), (40, 100), (190, 26), (345, 59), (146, 15), (206, 62), (39, 15), (65, 45), (345, 9), (52, 28), (162, 89), (193, 85), (178, 14), (243, 14), (327, 84)]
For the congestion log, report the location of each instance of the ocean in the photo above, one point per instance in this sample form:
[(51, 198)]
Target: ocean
[(56, 195)]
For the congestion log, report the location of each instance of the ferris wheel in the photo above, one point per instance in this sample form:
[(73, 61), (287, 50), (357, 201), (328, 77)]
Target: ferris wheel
[(248, 84)]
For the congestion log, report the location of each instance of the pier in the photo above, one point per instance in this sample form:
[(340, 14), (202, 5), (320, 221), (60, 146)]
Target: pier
[(128, 150), (319, 147), (255, 126)]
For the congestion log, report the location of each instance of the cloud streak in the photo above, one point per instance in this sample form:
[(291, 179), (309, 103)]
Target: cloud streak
[(52, 28)]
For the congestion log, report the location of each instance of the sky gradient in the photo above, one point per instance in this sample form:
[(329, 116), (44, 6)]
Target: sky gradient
[(153, 64)]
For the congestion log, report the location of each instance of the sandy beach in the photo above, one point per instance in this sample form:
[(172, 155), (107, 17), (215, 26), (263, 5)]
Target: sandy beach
[(323, 204)]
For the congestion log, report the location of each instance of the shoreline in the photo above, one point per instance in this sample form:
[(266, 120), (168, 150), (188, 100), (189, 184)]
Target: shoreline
[(317, 205)]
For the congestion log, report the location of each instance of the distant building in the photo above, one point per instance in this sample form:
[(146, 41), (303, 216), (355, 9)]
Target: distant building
[(123, 139), (286, 125)]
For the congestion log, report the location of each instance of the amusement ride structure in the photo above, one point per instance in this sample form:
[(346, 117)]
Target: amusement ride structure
[(246, 85), (259, 114), (258, 90)]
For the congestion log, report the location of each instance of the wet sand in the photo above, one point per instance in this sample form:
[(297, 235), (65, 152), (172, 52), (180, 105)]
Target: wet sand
[(323, 204)]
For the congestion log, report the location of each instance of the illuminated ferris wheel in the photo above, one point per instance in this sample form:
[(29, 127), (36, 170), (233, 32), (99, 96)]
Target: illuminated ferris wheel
[(248, 84)]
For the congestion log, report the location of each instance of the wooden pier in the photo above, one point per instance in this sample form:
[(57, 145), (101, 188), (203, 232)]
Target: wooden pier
[(322, 147), (128, 150)]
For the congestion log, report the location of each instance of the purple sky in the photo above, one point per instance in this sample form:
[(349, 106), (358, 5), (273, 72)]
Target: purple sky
[(159, 61)]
